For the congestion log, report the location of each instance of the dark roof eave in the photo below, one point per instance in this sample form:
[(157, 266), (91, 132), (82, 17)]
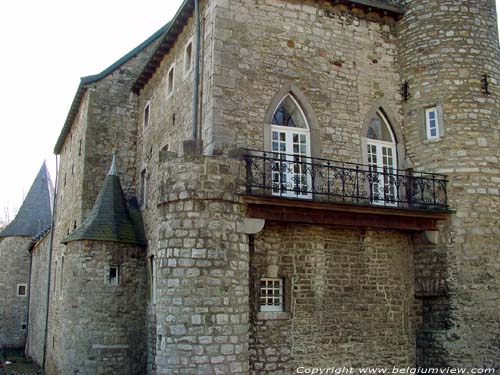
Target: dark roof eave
[(85, 81), (382, 5), (173, 30)]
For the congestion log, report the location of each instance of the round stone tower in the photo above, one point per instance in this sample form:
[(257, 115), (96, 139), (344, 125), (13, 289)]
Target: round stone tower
[(449, 56)]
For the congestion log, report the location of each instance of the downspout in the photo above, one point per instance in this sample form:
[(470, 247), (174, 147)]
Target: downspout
[(49, 270), (26, 349), (196, 80)]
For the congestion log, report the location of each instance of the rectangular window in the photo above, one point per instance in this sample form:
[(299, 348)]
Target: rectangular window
[(152, 267), (54, 282), (144, 189), (146, 116), (22, 290), (188, 58), (61, 279), (271, 294), (431, 123), (114, 275), (170, 81)]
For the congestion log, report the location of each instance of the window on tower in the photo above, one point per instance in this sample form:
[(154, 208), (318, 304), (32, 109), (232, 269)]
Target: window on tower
[(432, 123)]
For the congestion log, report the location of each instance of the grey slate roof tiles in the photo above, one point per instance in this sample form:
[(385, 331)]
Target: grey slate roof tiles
[(35, 213), (111, 218)]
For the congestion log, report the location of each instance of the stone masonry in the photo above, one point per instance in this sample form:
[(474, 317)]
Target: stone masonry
[(103, 325), (38, 298), (446, 47), (342, 285), (202, 269), (14, 271), (354, 294)]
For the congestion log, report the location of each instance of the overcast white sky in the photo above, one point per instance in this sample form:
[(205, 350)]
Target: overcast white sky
[(46, 46)]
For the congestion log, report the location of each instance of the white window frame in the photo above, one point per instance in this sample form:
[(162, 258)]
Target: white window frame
[(116, 281), (267, 302), (289, 131), (379, 167), (428, 120), (25, 290), (191, 62), (170, 86), (146, 119)]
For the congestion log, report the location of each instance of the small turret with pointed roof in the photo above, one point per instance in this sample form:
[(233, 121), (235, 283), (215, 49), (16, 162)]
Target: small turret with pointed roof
[(35, 213), (111, 218)]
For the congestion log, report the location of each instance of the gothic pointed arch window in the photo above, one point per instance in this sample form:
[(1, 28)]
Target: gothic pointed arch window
[(382, 160), (291, 150)]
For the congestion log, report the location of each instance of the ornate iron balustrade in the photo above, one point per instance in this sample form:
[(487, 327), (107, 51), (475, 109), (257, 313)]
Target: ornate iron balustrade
[(295, 176)]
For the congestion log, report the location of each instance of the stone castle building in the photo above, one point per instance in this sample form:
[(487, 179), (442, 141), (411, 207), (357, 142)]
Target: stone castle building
[(295, 184)]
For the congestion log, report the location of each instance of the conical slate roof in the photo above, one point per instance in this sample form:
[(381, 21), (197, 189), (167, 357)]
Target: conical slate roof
[(111, 219), (36, 212)]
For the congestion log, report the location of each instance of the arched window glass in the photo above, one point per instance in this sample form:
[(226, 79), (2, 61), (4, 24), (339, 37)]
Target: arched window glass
[(382, 160), (289, 114), (290, 144), (378, 129)]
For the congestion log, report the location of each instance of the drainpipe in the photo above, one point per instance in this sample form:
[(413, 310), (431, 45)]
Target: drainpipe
[(49, 267), (196, 81), (27, 346)]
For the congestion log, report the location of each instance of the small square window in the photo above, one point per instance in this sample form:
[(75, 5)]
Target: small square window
[(22, 290), (146, 116), (271, 294), (170, 81), (114, 275), (188, 58), (432, 123)]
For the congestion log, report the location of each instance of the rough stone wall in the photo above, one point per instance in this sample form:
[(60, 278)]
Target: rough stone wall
[(344, 62), (103, 325), (14, 270), (202, 305), (164, 135), (38, 300), (107, 118), (446, 47), (70, 174), (348, 298)]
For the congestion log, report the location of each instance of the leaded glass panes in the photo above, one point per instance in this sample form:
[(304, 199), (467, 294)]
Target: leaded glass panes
[(271, 294), (289, 114), (379, 130)]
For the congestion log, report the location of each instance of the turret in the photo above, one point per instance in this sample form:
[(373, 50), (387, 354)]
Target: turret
[(103, 289), (449, 56)]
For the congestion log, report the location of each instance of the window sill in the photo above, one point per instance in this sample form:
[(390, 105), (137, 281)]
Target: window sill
[(432, 140), (273, 315)]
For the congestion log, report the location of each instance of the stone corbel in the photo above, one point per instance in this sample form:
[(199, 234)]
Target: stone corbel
[(431, 236), (253, 226)]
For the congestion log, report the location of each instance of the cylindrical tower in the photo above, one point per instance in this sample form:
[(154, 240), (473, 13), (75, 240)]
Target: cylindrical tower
[(449, 56)]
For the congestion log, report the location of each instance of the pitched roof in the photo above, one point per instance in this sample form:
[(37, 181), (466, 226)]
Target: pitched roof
[(174, 28), (111, 218), (88, 80), (35, 213)]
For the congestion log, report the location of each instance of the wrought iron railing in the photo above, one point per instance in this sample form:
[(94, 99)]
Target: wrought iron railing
[(295, 176)]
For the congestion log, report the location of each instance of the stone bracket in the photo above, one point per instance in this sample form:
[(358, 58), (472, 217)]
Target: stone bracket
[(253, 226)]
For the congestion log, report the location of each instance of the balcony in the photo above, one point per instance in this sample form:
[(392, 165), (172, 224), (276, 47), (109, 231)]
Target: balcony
[(296, 188)]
